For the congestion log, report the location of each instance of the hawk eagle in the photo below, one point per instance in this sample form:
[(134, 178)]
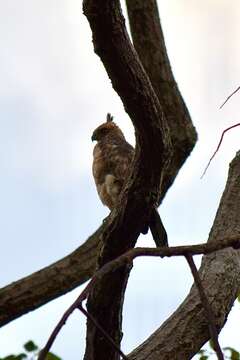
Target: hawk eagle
[(112, 157)]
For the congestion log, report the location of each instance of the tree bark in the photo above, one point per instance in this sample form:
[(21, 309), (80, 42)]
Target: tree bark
[(143, 189), (55, 280), (142, 192), (148, 40), (184, 333)]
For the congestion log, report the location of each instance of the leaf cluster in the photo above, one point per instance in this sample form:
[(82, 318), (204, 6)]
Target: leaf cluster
[(31, 351), (229, 353)]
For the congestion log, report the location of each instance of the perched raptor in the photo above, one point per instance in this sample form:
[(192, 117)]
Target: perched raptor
[(112, 157)]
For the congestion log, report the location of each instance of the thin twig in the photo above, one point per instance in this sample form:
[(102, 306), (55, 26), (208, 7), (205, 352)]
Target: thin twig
[(206, 306), (229, 97), (127, 258), (223, 133), (43, 353), (100, 328), (219, 144)]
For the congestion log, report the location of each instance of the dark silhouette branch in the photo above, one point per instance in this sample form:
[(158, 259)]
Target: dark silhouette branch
[(150, 179), (142, 191), (151, 167), (77, 305), (127, 258), (233, 93), (104, 333), (219, 144), (186, 331), (148, 40), (37, 289), (207, 307)]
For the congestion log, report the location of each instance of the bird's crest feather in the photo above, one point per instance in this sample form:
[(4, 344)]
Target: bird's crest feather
[(109, 117)]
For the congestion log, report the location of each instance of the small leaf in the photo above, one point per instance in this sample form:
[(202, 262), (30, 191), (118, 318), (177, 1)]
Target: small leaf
[(30, 346), (21, 356), (234, 353), (238, 298), (211, 344), (202, 351), (51, 356)]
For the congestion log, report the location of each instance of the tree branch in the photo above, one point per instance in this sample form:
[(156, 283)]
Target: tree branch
[(126, 259), (185, 332), (207, 307), (142, 191), (153, 154), (148, 40), (112, 343), (57, 279), (233, 93)]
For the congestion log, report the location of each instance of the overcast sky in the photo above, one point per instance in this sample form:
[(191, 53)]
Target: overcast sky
[(53, 93)]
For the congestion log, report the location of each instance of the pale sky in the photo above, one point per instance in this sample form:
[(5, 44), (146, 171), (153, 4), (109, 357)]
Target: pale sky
[(53, 92)]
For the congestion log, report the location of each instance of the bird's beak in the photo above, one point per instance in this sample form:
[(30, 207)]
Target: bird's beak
[(93, 136)]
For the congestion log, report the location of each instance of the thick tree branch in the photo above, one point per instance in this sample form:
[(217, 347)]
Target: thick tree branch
[(185, 332), (55, 280), (149, 43), (104, 333), (126, 259), (142, 192)]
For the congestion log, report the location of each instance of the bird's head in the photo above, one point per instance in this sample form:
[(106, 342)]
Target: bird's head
[(108, 129)]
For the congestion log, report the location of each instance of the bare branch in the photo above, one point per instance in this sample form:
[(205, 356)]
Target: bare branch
[(148, 40), (207, 307), (43, 353), (234, 92), (219, 144), (78, 305), (142, 191), (183, 334), (127, 258), (100, 328), (37, 289)]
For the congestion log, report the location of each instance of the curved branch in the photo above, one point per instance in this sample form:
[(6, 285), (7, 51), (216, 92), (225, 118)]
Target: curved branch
[(142, 191), (184, 333), (127, 258), (149, 43), (57, 279)]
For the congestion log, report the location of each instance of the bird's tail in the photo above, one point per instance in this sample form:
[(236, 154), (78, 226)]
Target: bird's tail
[(157, 228)]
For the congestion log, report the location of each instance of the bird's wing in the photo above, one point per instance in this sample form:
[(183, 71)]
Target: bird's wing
[(120, 160), (111, 168)]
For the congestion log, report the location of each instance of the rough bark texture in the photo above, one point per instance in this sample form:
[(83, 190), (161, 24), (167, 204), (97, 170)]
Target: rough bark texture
[(184, 333), (37, 289), (149, 43), (112, 44), (153, 102)]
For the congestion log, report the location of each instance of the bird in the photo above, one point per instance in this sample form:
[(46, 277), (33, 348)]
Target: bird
[(112, 159)]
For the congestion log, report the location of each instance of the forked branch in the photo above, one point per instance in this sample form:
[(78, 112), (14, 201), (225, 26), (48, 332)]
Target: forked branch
[(127, 258)]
